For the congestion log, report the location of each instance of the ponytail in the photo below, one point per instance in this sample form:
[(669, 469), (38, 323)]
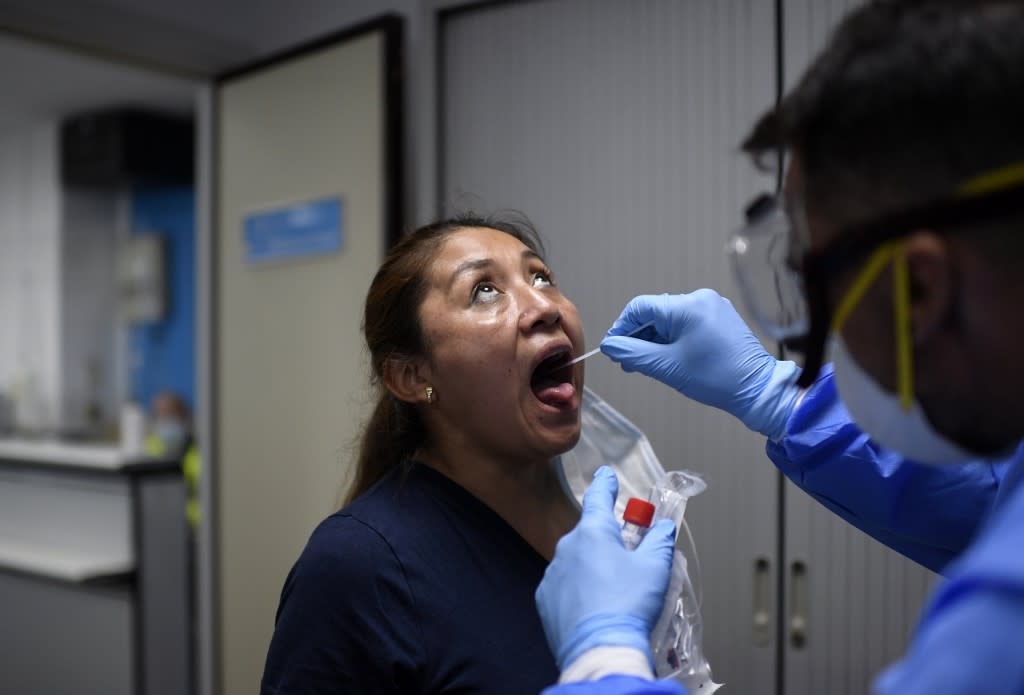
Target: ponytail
[(393, 434)]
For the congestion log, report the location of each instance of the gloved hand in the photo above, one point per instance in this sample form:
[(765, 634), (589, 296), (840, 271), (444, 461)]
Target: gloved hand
[(704, 350), (595, 592)]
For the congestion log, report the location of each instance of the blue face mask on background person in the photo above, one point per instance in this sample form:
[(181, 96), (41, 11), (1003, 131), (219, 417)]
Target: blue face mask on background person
[(172, 434)]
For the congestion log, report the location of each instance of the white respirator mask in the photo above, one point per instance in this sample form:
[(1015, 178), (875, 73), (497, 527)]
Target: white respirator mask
[(879, 415)]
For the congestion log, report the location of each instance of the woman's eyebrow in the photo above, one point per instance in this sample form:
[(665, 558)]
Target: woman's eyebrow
[(469, 266), (530, 255), (480, 263)]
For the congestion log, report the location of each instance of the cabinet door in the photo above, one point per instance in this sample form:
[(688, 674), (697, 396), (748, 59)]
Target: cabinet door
[(851, 603), (615, 127)]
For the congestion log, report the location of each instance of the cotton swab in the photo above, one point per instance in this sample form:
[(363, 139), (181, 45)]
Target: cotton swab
[(596, 350)]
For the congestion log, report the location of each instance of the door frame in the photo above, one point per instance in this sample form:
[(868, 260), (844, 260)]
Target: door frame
[(391, 26)]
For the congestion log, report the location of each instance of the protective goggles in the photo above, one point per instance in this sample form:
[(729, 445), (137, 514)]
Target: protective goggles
[(785, 284)]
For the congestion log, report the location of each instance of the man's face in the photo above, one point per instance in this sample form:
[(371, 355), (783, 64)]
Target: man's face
[(967, 372), (868, 332)]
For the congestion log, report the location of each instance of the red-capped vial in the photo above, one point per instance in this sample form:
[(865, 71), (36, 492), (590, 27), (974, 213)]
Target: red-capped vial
[(636, 521)]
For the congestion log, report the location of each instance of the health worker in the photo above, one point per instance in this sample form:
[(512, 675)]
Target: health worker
[(897, 246)]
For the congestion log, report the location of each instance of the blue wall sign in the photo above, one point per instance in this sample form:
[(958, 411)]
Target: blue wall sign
[(305, 229)]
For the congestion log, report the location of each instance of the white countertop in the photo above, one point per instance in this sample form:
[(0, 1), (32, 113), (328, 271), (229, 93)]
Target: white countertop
[(68, 564), (106, 457)]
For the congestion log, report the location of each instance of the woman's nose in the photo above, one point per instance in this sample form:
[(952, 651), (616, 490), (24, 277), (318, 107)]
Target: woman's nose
[(539, 310)]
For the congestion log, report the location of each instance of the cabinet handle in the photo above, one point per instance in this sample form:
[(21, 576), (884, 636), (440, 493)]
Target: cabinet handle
[(798, 605), (762, 619)]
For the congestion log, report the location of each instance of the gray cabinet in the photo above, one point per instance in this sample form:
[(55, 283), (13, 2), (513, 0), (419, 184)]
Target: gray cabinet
[(615, 126), (850, 604), (93, 572)]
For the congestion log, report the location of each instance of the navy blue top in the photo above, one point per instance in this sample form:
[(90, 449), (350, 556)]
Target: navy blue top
[(415, 587)]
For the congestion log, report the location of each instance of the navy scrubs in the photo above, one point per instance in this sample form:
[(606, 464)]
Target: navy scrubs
[(415, 587)]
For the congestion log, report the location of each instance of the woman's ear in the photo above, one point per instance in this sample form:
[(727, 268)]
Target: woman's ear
[(929, 260), (406, 378)]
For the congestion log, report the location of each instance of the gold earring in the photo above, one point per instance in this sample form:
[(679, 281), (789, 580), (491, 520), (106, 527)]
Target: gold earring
[(430, 395)]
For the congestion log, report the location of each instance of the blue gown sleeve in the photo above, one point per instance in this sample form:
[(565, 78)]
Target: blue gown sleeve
[(618, 685), (974, 649), (928, 513), (346, 622), (969, 641)]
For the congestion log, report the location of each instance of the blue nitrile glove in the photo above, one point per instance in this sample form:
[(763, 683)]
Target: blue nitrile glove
[(701, 347), (597, 593)]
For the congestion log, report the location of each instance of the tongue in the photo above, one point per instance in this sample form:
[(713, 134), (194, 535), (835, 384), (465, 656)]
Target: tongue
[(556, 395)]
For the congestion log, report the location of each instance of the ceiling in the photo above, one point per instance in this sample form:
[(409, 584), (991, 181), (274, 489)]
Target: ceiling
[(42, 83), (63, 56), (197, 38)]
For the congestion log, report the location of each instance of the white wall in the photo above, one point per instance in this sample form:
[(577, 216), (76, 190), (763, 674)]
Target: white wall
[(57, 247), (92, 369), (57, 303), (30, 223)]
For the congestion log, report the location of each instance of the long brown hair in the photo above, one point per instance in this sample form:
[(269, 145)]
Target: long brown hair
[(391, 326)]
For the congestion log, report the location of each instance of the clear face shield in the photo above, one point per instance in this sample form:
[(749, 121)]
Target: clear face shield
[(787, 286), (766, 257)]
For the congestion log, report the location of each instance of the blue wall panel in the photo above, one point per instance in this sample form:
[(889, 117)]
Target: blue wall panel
[(163, 352)]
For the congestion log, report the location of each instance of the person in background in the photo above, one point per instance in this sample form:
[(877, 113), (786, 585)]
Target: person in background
[(901, 232), (171, 424), (171, 435)]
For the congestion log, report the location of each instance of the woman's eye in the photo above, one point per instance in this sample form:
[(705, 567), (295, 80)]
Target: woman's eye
[(542, 278), (484, 292)]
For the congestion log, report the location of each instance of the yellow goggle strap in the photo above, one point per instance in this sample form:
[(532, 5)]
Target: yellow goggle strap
[(901, 314), (991, 181), (891, 251), (867, 276)]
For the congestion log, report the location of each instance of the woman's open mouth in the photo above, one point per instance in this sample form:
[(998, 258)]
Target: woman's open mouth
[(552, 380)]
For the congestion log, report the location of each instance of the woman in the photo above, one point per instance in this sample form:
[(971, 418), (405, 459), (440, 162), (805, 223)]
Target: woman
[(424, 582)]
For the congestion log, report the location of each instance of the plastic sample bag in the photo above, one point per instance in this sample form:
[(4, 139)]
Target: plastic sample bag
[(607, 438)]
